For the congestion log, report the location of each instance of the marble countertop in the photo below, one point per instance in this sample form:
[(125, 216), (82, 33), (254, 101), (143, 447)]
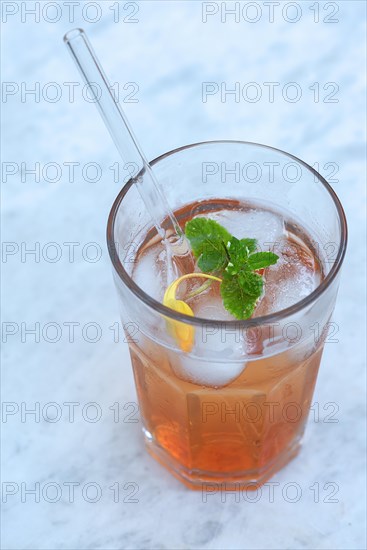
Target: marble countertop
[(81, 450)]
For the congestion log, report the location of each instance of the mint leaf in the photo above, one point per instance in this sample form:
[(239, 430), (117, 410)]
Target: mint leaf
[(240, 293), (208, 241), (259, 260), (235, 260), (251, 282), (250, 243), (238, 253)]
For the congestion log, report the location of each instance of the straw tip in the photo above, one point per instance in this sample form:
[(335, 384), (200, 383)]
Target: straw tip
[(74, 33)]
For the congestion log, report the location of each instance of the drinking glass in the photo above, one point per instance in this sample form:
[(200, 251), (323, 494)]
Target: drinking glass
[(249, 421)]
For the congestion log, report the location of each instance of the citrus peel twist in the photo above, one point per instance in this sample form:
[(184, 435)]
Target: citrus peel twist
[(183, 333)]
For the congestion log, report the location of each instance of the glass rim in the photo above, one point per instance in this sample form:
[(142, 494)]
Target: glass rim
[(236, 323)]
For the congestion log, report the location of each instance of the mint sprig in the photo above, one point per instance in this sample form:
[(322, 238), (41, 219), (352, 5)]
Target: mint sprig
[(234, 260)]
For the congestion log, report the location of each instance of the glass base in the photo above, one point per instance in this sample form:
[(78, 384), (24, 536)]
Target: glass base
[(198, 479)]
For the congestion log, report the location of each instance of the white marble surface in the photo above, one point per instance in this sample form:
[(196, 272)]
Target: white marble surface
[(169, 52)]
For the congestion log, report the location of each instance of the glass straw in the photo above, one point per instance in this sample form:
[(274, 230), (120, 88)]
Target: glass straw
[(126, 144)]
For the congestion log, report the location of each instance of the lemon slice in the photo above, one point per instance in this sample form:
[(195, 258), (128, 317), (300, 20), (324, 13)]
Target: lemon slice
[(183, 333)]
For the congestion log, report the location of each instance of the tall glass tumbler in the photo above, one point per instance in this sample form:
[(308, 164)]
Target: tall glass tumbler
[(249, 421)]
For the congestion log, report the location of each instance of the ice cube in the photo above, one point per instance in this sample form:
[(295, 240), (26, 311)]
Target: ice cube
[(150, 272), (217, 350), (291, 279), (211, 307), (211, 341), (205, 371), (263, 225)]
